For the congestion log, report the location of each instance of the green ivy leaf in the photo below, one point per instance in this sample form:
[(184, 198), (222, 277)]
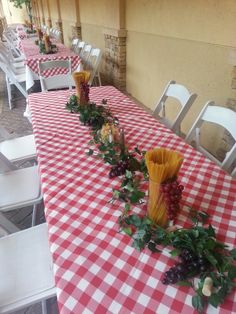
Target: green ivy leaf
[(211, 258), (214, 300), (128, 174), (174, 252), (198, 303), (152, 247), (184, 283), (232, 272), (102, 148), (233, 253), (127, 230), (136, 196), (211, 231), (90, 152), (139, 234)]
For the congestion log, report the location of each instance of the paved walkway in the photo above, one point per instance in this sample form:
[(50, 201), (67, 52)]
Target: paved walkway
[(14, 124)]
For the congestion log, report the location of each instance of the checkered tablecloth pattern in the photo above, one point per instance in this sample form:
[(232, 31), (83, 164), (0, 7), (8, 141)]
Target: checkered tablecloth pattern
[(96, 268), (32, 56), (21, 34)]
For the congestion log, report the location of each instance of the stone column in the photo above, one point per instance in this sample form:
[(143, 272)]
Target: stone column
[(114, 59)]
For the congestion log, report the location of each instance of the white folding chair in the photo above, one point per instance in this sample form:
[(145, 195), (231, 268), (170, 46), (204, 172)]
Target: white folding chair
[(185, 99), (6, 57), (84, 54), (13, 79), (233, 174), (12, 42), (80, 47), (74, 44), (56, 81), (19, 187), (25, 269), (220, 116), (92, 65), (17, 61), (57, 35), (19, 149)]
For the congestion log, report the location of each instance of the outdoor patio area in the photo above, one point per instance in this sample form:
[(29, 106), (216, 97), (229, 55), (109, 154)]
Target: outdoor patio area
[(117, 157)]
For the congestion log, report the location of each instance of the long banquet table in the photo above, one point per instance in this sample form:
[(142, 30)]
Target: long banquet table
[(32, 56), (96, 268)]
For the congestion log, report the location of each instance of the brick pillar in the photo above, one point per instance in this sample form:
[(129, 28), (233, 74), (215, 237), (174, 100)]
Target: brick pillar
[(114, 59), (59, 26), (76, 31)]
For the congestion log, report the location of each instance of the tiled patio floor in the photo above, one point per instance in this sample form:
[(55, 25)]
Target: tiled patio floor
[(14, 124)]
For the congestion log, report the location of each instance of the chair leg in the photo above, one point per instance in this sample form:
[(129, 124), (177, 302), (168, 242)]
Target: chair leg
[(34, 214), (44, 306), (99, 79), (9, 93)]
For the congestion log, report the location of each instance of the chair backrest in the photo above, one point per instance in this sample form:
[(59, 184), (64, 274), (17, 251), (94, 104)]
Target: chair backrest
[(93, 63), (185, 99), (5, 164), (233, 174), (57, 34), (6, 49), (11, 43), (74, 44), (221, 116), (57, 81), (80, 47), (85, 52), (44, 28), (10, 75)]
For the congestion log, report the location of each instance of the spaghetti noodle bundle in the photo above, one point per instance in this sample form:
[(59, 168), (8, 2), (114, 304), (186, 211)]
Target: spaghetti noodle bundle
[(162, 165), (81, 78)]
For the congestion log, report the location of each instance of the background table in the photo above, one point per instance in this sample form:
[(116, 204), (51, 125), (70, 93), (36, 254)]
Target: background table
[(32, 56), (96, 268)]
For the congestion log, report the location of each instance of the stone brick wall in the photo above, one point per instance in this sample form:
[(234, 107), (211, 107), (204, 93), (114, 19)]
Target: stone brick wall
[(114, 63), (76, 31)]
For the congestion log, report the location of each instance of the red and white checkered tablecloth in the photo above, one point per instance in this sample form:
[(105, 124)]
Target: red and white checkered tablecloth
[(21, 34), (96, 268), (32, 56)]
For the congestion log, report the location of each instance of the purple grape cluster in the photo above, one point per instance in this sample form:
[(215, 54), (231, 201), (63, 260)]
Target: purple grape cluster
[(84, 89), (119, 169), (191, 265), (172, 191)]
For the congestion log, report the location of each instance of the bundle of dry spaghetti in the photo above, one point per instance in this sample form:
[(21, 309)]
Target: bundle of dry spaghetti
[(81, 80), (162, 164)]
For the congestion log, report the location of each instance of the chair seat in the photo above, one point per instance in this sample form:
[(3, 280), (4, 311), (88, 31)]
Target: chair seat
[(25, 269), (20, 77), (19, 187), (19, 148)]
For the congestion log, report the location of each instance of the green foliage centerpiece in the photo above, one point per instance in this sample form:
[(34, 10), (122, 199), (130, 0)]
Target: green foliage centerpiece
[(202, 262)]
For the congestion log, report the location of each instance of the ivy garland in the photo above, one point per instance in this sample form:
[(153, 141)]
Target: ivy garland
[(195, 249)]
